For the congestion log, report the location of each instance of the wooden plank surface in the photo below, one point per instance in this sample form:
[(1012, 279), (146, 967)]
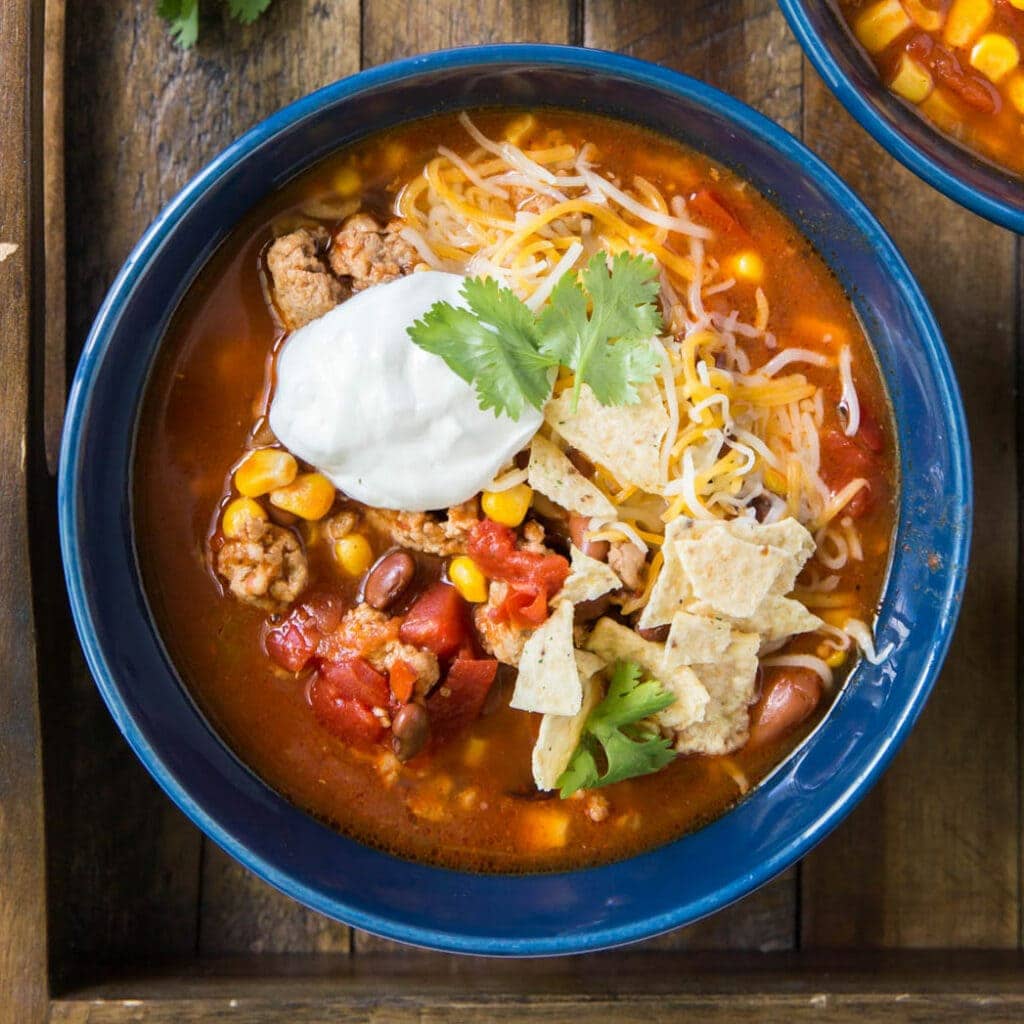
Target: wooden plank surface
[(23, 987), (932, 857)]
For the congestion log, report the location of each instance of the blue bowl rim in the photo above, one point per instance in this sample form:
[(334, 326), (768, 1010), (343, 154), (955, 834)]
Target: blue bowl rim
[(551, 56), (891, 138)]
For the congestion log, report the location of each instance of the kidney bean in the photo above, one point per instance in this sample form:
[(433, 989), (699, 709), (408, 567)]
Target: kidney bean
[(410, 729), (789, 699), (388, 579), (587, 611), (578, 527)]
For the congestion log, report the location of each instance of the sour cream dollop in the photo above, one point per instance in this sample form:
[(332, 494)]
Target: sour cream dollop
[(389, 424)]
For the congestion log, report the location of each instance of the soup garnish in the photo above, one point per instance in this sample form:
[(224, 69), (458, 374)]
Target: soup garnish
[(558, 496), (957, 62)]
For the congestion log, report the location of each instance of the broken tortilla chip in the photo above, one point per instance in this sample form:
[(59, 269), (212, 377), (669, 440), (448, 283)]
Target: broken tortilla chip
[(552, 474), (731, 683), (671, 588), (588, 579), (776, 618), (696, 639), (615, 642), (733, 576), (548, 681), (559, 735), (624, 439)]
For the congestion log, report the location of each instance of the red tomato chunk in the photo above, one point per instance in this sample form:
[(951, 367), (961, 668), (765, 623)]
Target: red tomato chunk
[(458, 701), (342, 716), (438, 621)]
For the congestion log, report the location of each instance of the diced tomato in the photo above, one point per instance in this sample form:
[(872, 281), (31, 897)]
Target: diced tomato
[(969, 88), (525, 607), (789, 698), (493, 548), (458, 701), (709, 209), (846, 458), (438, 620), (293, 643), (357, 679), (402, 678), (348, 719)]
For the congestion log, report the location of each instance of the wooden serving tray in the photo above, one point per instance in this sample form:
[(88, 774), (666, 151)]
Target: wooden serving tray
[(113, 907)]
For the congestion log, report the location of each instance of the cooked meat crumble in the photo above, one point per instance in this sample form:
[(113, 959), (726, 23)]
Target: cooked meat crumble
[(303, 286), (369, 254), (264, 566)]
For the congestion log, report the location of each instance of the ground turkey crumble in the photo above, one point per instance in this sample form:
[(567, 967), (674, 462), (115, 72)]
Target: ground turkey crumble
[(264, 565)]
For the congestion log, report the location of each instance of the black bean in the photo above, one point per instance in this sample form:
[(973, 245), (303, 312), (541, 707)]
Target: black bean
[(388, 579), (410, 729)]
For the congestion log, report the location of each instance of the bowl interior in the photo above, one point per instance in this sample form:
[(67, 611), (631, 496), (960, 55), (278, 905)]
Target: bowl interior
[(953, 169), (513, 915)]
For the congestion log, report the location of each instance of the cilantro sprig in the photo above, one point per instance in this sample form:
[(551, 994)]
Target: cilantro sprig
[(182, 17), (597, 326), (614, 729)]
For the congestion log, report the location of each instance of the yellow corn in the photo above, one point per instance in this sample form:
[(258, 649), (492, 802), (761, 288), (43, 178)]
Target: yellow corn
[(264, 470), (835, 659), (938, 109), (967, 20), (911, 81), (1019, 4), (309, 496), (748, 266), (348, 182), (1015, 89), (467, 579), (995, 56), (543, 828), (238, 513), (474, 752), (880, 24), (353, 553), (507, 507)]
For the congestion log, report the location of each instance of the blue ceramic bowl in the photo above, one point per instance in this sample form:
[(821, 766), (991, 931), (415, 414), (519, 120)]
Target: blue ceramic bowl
[(954, 170), (501, 914)]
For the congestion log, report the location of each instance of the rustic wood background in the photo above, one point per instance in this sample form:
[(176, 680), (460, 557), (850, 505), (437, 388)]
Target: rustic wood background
[(128, 889)]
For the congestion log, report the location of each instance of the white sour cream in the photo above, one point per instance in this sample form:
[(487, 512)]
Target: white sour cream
[(391, 425)]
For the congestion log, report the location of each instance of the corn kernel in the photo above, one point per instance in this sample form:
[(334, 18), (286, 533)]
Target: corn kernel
[(467, 579), (929, 18), (911, 81), (1015, 89), (265, 470), (348, 182), (967, 20), (507, 507), (749, 266), (939, 110), (353, 553), (995, 56), (544, 829), (473, 755), (880, 24), (238, 513), (309, 496), (775, 481), (835, 659), (1019, 4)]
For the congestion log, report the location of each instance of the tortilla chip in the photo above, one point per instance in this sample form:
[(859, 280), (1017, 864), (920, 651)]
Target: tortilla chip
[(671, 589), (559, 735), (788, 535), (696, 639), (551, 473), (625, 439), (615, 642), (733, 576), (588, 579), (775, 619), (731, 683), (548, 680)]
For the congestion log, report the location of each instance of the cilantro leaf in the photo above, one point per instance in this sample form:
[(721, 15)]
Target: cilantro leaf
[(182, 17), (630, 748), (492, 345), (606, 349), (247, 11)]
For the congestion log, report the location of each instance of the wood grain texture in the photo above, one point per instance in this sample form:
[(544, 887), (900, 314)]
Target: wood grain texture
[(23, 984), (142, 118), (742, 46), (643, 987), (931, 858)]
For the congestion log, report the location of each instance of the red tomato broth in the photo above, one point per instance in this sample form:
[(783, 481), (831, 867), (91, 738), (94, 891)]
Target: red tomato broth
[(984, 115), (469, 802)]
